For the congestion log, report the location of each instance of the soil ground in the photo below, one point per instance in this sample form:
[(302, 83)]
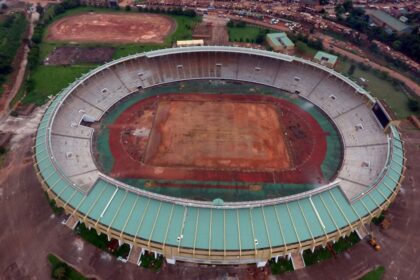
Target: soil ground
[(77, 55), (112, 28), (33, 231), (217, 135), (304, 138)]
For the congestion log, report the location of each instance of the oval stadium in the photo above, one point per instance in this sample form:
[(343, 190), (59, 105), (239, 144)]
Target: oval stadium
[(219, 155)]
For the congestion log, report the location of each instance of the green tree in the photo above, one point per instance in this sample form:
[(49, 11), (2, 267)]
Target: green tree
[(413, 105), (351, 69), (60, 271), (396, 45)]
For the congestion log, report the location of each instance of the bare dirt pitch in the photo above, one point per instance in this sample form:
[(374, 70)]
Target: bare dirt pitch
[(247, 138), (220, 135), (112, 28)]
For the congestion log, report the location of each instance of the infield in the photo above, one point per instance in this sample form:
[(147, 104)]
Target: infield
[(217, 135), (112, 28)]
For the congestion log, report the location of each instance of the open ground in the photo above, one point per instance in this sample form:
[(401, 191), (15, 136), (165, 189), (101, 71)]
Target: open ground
[(112, 28), (219, 135), (33, 232), (294, 156)]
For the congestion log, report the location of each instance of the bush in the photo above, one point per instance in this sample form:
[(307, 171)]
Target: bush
[(148, 261), (413, 105), (351, 69), (128, 8)]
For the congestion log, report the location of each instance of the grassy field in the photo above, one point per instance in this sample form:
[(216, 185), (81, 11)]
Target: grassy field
[(303, 50), (61, 270), (249, 33), (381, 88), (376, 274), (49, 80)]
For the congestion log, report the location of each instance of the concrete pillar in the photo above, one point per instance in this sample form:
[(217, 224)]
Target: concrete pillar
[(170, 261), (261, 264)]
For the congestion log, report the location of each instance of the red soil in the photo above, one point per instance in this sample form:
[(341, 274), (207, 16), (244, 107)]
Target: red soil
[(305, 140)]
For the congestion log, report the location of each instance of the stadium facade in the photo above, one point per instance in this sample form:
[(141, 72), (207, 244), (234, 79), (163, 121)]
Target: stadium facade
[(220, 232)]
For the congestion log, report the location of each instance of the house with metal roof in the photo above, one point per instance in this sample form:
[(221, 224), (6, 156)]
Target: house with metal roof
[(279, 41), (388, 22)]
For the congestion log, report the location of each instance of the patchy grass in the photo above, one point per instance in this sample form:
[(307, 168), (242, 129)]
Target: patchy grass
[(381, 87), (61, 270), (242, 34), (375, 274), (282, 266), (303, 50), (49, 80)]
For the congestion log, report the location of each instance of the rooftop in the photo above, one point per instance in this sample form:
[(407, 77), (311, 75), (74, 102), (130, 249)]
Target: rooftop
[(388, 20), (322, 56), (280, 39)]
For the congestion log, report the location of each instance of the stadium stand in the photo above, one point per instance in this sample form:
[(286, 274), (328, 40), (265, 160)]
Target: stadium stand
[(188, 230)]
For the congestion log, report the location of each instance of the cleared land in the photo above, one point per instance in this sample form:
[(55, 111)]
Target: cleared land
[(112, 28), (77, 55), (219, 135), (280, 141)]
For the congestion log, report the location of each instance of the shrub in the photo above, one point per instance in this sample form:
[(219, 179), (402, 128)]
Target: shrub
[(413, 105)]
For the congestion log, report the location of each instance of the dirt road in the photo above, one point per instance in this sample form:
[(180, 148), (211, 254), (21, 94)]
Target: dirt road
[(17, 76)]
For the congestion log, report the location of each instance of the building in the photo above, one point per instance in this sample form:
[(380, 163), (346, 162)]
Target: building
[(280, 42), (190, 43), (326, 59), (388, 22), (219, 232)]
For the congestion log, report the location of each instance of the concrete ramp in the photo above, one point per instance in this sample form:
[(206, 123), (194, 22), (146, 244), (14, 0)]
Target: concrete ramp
[(297, 261)]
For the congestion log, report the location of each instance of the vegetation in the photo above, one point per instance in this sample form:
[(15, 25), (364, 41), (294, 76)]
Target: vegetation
[(57, 210), (382, 86), (3, 152), (375, 274), (408, 44), (148, 261), (11, 34), (240, 32), (101, 241), (39, 85), (61, 270), (325, 253), (281, 266), (378, 220)]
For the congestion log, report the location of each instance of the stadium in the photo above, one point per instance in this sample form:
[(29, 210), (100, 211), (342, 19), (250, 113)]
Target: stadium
[(220, 155)]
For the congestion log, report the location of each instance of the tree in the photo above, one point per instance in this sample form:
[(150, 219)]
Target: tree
[(351, 69), (396, 45), (60, 271), (413, 105), (39, 9)]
